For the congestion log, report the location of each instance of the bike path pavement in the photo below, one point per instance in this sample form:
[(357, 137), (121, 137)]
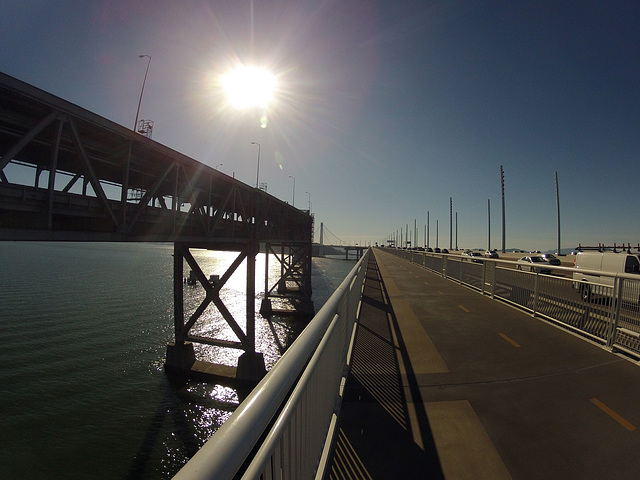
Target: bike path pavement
[(447, 383)]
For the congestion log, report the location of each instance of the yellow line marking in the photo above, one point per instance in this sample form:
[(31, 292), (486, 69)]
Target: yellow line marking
[(464, 309), (510, 340), (426, 283), (440, 292), (455, 426), (622, 421)]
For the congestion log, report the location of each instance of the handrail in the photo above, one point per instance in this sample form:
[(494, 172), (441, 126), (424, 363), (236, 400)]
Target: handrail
[(223, 456)]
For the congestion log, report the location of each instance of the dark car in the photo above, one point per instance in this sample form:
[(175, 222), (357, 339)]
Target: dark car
[(476, 257), (551, 259)]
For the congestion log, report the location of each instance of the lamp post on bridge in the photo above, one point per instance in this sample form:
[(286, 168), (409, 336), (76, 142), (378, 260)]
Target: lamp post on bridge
[(293, 200), (258, 168), (135, 125)]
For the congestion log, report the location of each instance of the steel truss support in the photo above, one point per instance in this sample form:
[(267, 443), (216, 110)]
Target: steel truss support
[(294, 283), (181, 359)]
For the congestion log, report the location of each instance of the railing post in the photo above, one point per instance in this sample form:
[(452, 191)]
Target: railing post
[(484, 276), (494, 268), (615, 311), (535, 294)]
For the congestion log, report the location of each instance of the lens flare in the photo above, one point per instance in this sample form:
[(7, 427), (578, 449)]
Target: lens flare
[(249, 87)]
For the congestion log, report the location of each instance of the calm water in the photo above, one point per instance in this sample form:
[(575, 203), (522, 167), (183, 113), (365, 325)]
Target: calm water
[(83, 334)]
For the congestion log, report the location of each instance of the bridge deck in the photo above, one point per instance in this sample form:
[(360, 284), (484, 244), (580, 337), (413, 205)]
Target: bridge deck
[(446, 383)]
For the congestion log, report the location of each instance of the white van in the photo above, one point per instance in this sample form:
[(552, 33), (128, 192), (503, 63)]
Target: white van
[(609, 262)]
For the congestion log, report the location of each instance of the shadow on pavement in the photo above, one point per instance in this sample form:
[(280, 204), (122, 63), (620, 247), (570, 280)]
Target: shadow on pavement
[(375, 438)]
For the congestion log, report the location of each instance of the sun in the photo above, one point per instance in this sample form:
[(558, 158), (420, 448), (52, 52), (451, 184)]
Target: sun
[(248, 87)]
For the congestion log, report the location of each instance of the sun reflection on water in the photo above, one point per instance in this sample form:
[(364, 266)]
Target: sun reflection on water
[(203, 408)]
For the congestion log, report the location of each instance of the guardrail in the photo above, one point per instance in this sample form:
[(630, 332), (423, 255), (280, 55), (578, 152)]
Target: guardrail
[(607, 312), (284, 428)]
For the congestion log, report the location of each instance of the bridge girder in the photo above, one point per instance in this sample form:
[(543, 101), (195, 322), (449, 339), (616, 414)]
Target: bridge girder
[(133, 188)]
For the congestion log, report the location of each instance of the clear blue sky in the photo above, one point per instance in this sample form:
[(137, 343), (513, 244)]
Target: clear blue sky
[(385, 108)]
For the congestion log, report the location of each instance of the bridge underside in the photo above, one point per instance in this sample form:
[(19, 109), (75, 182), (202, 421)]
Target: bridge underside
[(67, 174)]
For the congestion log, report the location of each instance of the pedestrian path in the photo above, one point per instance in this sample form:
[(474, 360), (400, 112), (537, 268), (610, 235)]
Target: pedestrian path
[(447, 383)]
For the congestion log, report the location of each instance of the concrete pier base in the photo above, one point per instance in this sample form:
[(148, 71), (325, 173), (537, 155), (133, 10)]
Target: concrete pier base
[(180, 355), (251, 367), (265, 307)]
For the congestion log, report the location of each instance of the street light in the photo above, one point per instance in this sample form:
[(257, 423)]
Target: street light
[(293, 202), (218, 165), (258, 169), (135, 125)]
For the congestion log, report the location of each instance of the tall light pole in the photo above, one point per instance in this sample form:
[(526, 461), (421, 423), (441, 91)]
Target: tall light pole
[(488, 224), (558, 205), (293, 200), (450, 223), (135, 125), (428, 232), (504, 235), (258, 169)]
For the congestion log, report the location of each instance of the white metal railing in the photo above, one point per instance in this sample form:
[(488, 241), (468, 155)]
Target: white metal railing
[(607, 312), (284, 427)]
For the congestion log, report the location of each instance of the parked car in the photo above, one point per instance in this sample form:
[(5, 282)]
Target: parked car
[(535, 263), (551, 259), (473, 256), (608, 262), (491, 254)]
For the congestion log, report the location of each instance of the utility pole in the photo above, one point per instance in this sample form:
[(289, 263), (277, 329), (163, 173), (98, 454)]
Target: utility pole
[(450, 223), (428, 234), (489, 224), (425, 236), (504, 236), (558, 205)]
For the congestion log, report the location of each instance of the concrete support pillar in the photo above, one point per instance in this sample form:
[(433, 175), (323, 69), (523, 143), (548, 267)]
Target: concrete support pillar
[(180, 356)]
